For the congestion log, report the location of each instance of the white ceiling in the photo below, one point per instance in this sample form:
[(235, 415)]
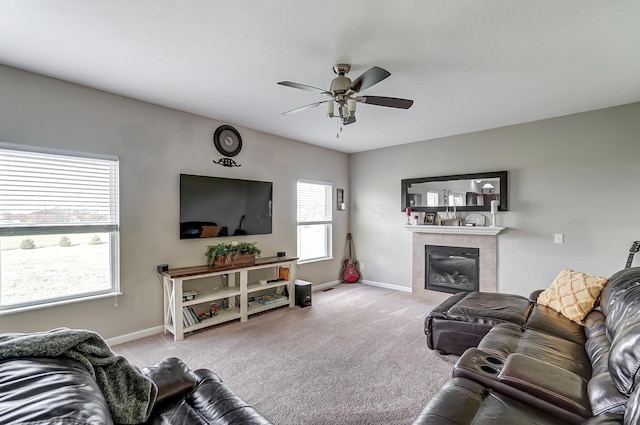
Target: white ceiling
[(469, 65)]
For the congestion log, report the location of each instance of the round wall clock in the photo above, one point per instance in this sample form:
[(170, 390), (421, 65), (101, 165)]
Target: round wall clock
[(227, 140)]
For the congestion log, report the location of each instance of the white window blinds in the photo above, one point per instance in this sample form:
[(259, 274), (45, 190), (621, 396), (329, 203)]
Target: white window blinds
[(314, 202), (48, 193)]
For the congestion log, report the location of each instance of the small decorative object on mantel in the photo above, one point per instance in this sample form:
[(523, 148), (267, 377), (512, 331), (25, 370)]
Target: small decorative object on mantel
[(233, 253), (228, 142), (408, 216), (450, 222), (494, 211), (429, 218), (474, 219)]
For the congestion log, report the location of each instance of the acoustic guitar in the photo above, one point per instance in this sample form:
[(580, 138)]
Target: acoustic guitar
[(634, 248), (350, 271)]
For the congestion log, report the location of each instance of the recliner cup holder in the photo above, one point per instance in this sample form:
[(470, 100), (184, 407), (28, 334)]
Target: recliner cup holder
[(478, 364), (495, 360), (488, 369)]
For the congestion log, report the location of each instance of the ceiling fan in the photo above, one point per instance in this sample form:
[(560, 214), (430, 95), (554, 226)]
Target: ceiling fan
[(343, 93)]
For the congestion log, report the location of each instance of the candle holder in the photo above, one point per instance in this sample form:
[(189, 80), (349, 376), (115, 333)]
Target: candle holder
[(494, 211)]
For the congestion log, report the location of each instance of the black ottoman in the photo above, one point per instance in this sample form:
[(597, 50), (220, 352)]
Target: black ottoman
[(463, 319)]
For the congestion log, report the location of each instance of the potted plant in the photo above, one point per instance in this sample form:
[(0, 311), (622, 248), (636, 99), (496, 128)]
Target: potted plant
[(232, 253)]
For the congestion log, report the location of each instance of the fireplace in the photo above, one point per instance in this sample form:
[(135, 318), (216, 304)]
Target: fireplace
[(451, 268)]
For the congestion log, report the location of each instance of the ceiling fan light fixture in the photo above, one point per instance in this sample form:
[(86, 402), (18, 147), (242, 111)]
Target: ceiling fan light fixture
[(343, 92), (351, 105), (344, 112), (330, 107)]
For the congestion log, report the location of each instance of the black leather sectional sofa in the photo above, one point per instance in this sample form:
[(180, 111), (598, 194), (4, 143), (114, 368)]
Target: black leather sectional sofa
[(61, 391), (523, 363)]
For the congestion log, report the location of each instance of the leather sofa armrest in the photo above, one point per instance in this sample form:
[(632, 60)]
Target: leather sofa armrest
[(222, 405), (172, 377), (533, 297), (546, 382)]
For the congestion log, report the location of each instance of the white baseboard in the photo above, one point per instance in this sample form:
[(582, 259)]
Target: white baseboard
[(326, 285), (365, 282), (387, 285), (135, 335), (159, 329)]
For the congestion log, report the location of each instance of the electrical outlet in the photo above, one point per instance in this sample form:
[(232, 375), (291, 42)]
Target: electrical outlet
[(559, 238), (361, 266)]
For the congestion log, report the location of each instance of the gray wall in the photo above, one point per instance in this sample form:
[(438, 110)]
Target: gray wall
[(155, 145), (578, 175)]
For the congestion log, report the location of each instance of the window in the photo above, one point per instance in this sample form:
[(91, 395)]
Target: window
[(456, 199), (432, 199), (314, 221), (58, 228)]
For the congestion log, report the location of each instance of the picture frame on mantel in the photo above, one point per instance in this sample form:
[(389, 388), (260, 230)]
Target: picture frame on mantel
[(429, 218)]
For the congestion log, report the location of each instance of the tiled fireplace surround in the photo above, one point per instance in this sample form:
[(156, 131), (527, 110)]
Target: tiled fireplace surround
[(485, 241)]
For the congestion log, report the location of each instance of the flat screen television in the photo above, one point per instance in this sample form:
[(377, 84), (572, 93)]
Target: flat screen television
[(216, 207)]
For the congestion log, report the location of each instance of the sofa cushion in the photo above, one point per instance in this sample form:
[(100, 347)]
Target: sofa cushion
[(603, 393), (500, 307), (547, 320), (573, 294), (464, 402), (508, 338), (50, 390), (623, 329)]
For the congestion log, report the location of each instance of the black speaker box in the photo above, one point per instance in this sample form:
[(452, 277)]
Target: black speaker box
[(303, 293)]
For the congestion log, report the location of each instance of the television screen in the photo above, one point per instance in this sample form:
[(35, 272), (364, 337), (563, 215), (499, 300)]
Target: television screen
[(216, 207)]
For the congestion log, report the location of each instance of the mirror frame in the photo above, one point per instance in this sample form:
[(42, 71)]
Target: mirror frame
[(504, 194)]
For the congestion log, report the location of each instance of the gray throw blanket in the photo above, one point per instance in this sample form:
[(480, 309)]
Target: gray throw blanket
[(129, 393)]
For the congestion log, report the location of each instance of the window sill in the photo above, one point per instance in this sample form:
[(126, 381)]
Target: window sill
[(10, 310), (314, 260)]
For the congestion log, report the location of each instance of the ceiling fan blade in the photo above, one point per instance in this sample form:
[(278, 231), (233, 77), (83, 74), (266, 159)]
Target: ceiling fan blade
[(392, 102), (369, 78), (302, 87), (304, 108), (350, 120)]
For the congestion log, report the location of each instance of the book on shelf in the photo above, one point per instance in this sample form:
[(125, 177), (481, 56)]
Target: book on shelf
[(190, 316), (185, 317), (194, 315)]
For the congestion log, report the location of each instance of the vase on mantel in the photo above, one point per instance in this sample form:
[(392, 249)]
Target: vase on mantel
[(235, 260)]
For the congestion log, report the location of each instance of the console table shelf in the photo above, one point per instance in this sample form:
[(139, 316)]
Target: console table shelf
[(238, 286)]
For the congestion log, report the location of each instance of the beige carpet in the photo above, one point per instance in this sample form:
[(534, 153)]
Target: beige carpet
[(357, 356)]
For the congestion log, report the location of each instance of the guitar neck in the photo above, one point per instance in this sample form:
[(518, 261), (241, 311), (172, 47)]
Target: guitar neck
[(634, 248), (629, 260)]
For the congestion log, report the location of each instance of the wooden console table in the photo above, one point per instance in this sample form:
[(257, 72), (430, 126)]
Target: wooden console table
[(174, 279)]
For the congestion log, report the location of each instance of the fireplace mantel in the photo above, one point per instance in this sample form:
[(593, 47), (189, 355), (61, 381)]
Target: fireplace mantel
[(484, 238), (455, 230)]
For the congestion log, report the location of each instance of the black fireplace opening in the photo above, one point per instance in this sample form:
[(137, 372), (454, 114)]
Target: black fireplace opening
[(451, 269)]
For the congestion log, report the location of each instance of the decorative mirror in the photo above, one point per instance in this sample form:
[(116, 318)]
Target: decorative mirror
[(467, 192)]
